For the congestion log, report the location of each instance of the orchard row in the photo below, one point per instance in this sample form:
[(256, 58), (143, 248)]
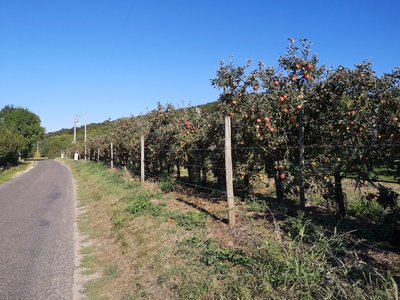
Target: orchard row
[(300, 124)]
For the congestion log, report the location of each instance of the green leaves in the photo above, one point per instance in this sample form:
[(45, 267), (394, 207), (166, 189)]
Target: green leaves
[(20, 130)]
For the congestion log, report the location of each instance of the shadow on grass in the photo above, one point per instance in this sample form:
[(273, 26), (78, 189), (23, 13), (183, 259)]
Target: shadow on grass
[(202, 209), (383, 236)]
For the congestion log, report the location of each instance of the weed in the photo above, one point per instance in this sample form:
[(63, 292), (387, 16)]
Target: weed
[(213, 254), (138, 206), (190, 220), (302, 229), (166, 183), (253, 204), (141, 206), (363, 208), (192, 241), (118, 220)]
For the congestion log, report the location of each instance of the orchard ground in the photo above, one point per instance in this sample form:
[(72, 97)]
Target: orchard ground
[(150, 244)]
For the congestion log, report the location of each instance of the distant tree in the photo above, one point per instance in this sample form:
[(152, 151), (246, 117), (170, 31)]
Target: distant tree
[(22, 122), (10, 144)]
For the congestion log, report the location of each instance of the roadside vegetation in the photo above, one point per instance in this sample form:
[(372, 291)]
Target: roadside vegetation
[(299, 127), (20, 130), (315, 163), (154, 244), (12, 172)]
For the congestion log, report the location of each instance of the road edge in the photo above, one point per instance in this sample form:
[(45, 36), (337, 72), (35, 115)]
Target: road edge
[(79, 279)]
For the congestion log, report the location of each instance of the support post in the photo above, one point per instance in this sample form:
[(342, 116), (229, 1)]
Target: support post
[(75, 123), (85, 140), (301, 153), (228, 172), (142, 159), (112, 156)]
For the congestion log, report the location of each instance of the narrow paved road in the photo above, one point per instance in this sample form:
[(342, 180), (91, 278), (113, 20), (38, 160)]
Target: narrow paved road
[(36, 234)]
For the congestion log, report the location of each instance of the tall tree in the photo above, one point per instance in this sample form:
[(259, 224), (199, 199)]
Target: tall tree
[(22, 122)]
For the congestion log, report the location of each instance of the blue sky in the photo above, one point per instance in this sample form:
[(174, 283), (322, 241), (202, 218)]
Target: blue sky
[(113, 59)]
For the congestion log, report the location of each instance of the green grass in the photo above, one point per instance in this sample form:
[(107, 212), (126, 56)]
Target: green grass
[(89, 263), (366, 209), (171, 250), (10, 173), (87, 250), (384, 173)]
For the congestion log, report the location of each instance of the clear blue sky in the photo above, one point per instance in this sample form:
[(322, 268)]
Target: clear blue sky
[(114, 59)]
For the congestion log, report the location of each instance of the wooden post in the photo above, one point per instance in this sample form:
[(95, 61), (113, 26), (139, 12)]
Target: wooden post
[(142, 159), (98, 154), (112, 156), (301, 153), (228, 172), (85, 141)]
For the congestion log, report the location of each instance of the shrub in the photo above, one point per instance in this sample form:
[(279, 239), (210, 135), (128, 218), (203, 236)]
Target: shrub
[(167, 183)]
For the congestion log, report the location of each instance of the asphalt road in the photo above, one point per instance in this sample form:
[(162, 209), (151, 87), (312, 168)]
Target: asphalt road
[(36, 234)]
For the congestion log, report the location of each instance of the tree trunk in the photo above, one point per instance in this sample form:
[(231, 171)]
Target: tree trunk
[(190, 173), (221, 182), (339, 197), (169, 169), (280, 195), (197, 175), (204, 175), (178, 171)]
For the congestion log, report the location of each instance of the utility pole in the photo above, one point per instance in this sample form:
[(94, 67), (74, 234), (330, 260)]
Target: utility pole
[(75, 123), (76, 154)]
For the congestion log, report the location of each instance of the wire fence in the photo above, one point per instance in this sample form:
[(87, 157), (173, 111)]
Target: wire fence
[(203, 168), (272, 212)]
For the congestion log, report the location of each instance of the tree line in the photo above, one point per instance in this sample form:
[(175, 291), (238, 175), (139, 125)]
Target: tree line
[(20, 130), (300, 125)]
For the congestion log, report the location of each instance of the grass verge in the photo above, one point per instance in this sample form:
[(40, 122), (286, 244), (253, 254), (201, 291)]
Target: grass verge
[(147, 245), (12, 172)]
